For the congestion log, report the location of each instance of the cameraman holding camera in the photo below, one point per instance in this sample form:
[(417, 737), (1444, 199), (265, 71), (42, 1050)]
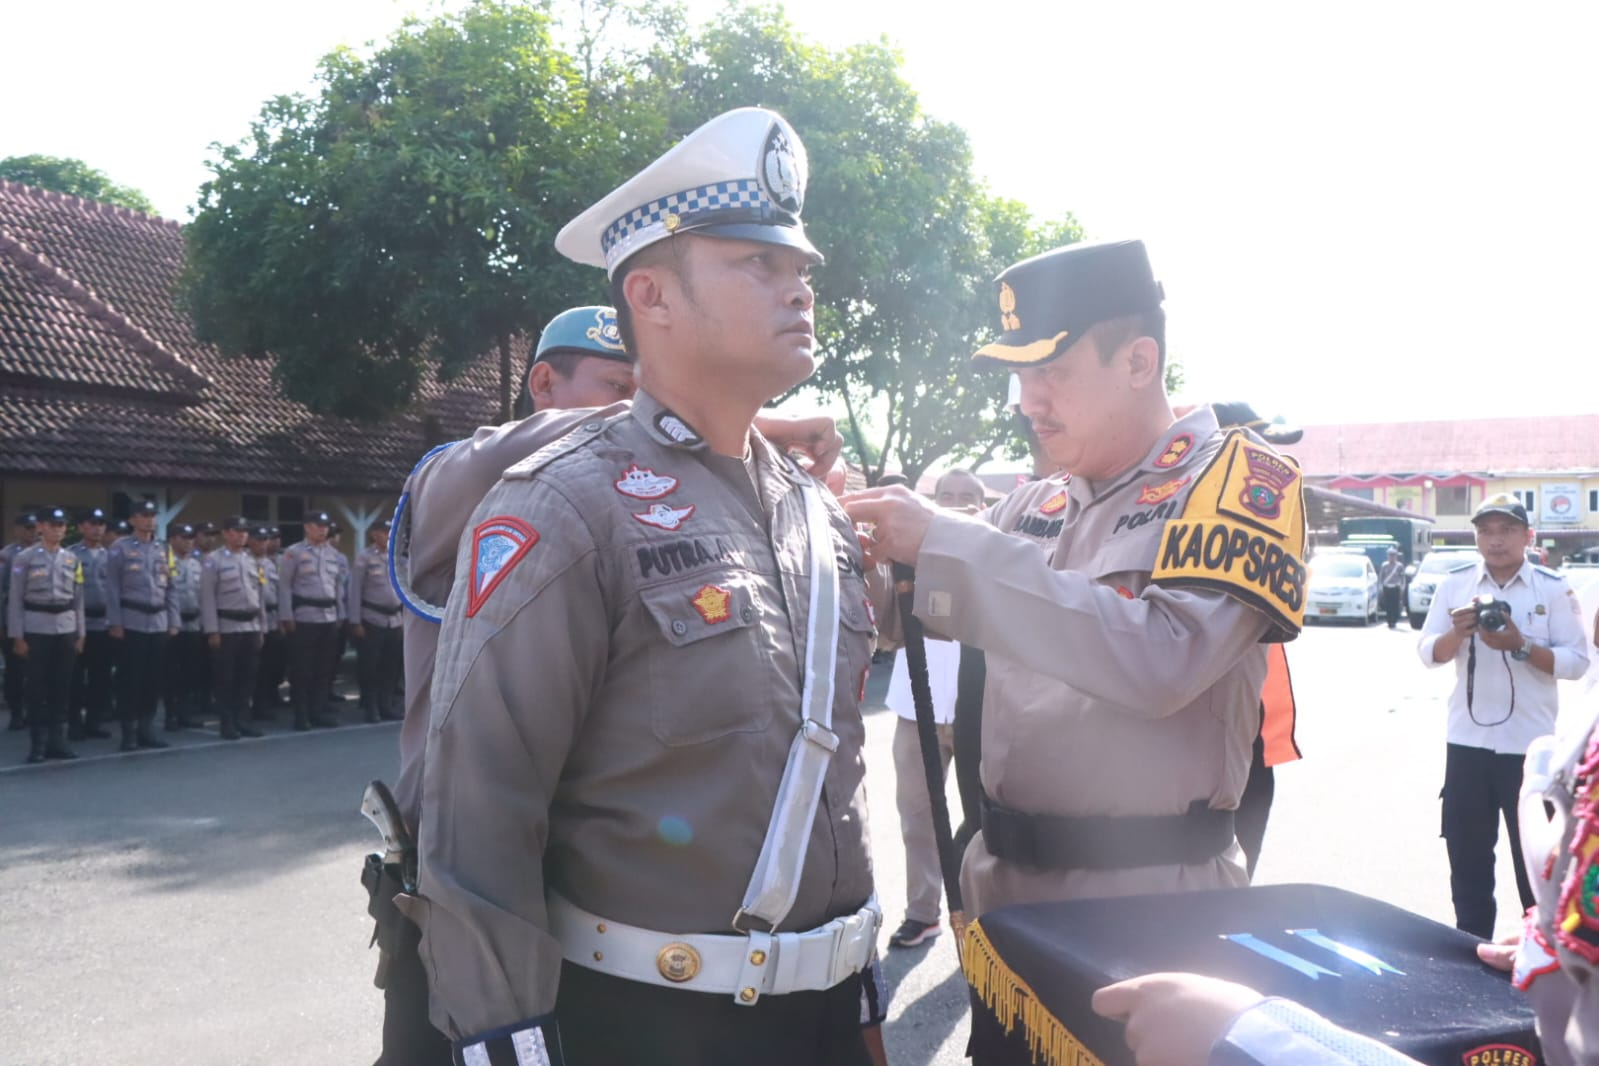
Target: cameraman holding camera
[(1511, 628)]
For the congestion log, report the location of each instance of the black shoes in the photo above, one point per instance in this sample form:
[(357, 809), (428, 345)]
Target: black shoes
[(912, 933)]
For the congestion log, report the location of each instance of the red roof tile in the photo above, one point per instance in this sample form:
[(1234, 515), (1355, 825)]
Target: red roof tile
[(101, 374), (1552, 444)]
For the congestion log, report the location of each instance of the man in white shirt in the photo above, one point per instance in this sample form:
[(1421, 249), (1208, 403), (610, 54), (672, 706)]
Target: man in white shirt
[(1504, 696), (959, 490)]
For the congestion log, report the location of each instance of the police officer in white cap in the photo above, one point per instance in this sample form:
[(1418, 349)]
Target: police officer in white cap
[(643, 832)]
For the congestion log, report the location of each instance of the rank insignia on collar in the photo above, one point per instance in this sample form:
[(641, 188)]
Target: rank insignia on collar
[(1055, 504), (498, 544), (1161, 493), (674, 428), (663, 516), (713, 603), (1175, 449), (642, 483)]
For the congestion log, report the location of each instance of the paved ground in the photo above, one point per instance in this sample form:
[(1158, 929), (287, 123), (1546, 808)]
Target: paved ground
[(201, 906)]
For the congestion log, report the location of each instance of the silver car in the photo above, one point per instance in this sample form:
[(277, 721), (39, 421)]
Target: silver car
[(1435, 566)]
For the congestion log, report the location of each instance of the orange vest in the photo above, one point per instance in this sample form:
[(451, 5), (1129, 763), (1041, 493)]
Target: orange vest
[(1277, 696)]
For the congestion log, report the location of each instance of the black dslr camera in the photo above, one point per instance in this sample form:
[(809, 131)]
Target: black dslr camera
[(1492, 615)]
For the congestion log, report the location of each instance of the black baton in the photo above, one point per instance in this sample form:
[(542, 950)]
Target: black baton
[(927, 733)]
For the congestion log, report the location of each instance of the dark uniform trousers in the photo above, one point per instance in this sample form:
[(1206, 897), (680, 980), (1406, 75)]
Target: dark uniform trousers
[(606, 1019), (16, 673), (313, 656), (378, 668), (51, 658), (91, 682), (187, 679), (233, 666), (269, 674), (1480, 787), (139, 671)]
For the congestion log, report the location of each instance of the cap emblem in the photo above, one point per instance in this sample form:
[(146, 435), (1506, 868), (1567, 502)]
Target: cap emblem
[(605, 331), (782, 172), (1008, 319)]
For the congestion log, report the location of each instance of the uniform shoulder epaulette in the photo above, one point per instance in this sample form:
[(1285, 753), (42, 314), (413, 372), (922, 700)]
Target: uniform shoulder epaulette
[(523, 469), (1549, 571)]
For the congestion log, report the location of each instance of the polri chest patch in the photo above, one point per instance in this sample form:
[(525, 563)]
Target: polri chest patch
[(642, 483)]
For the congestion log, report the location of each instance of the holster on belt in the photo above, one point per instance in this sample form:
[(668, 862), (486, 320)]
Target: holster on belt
[(392, 932), (1106, 842)]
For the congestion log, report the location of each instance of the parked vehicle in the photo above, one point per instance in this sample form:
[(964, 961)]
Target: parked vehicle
[(1412, 536), (1439, 563), (1342, 584)]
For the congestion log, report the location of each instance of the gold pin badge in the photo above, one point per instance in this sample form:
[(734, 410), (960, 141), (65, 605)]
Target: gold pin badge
[(678, 962), (672, 222)]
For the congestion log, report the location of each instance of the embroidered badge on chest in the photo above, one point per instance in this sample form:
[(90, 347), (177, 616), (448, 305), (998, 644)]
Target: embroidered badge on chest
[(498, 544), (713, 603), (1055, 504), (1175, 450), (1162, 492), (664, 516), (642, 483)]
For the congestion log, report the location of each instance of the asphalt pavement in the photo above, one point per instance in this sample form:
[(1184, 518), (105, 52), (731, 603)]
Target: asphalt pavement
[(202, 905)]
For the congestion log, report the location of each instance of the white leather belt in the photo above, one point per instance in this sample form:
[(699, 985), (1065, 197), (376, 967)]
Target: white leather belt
[(745, 967)]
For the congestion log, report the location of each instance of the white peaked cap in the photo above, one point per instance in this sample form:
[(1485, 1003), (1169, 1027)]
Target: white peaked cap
[(741, 175)]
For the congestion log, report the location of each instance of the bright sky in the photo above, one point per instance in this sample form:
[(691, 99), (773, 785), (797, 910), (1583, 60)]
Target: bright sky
[(1361, 211)]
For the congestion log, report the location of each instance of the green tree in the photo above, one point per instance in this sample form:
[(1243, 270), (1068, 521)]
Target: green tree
[(73, 177), (404, 218), (913, 239)]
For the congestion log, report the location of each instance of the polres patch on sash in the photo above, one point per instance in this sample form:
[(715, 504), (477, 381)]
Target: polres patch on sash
[(1242, 532), (498, 544)]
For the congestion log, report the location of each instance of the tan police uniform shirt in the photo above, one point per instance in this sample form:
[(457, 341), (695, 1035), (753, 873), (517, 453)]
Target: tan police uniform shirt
[(372, 600), (309, 572), (186, 574), (433, 512), (232, 584), (46, 594), (139, 592), (1106, 694), (613, 708)]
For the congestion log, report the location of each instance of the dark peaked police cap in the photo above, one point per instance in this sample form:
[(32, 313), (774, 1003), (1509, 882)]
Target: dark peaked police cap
[(1047, 302)]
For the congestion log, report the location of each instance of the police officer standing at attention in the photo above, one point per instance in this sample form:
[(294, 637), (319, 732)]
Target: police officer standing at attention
[(143, 612), (188, 688), (45, 620), (25, 533), (645, 743), (374, 608), (269, 665), (233, 615), (1125, 661), (310, 578), (91, 680)]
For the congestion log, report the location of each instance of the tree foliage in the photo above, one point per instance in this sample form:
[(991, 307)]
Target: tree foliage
[(406, 216), (73, 177)]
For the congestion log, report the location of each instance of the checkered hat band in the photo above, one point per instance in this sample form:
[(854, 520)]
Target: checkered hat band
[(742, 195)]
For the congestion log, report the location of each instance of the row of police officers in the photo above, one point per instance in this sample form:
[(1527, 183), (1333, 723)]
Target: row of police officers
[(114, 626)]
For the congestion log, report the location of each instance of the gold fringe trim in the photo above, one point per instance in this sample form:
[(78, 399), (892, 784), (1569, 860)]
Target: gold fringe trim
[(1008, 996)]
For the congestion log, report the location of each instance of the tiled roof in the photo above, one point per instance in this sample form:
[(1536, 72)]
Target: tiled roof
[(101, 374), (1556, 443)]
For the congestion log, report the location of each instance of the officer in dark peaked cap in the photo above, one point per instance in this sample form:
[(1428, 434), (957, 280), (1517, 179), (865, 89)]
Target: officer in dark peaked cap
[(269, 667), (187, 693), (44, 621), (233, 614), (24, 529), (91, 680), (374, 609), (142, 610), (1123, 628), (311, 609)]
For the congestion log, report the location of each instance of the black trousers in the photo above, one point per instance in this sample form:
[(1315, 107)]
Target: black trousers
[(269, 673), (233, 666), (140, 663), (1480, 787), (188, 694), (16, 671), (607, 1020), (378, 667), (50, 662), (313, 655), (91, 681), (1390, 605)]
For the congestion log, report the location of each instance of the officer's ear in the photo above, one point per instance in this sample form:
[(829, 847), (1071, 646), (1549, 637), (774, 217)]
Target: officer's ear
[(1143, 363), (540, 382)]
